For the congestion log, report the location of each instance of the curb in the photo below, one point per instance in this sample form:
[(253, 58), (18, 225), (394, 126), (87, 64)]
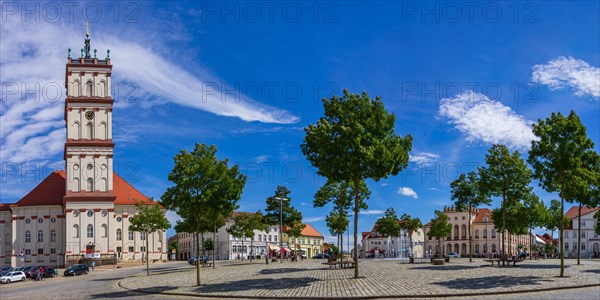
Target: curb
[(362, 297)]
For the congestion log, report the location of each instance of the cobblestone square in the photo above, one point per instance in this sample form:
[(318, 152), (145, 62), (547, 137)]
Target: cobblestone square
[(379, 278)]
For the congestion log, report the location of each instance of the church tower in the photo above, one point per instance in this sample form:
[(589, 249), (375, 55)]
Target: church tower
[(89, 196)]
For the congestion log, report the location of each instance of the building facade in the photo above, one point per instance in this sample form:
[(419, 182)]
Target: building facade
[(85, 210), (310, 241), (590, 241), (485, 240), (375, 244), (229, 247)]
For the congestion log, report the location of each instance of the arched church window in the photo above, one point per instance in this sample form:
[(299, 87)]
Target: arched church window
[(76, 184), (27, 236), (90, 231), (75, 231), (102, 91), (89, 86), (40, 236), (103, 184), (103, 131), (76, 130), (104, 230), (90, 131), (53, 235), (90, 184), (76, 89), (119, 234)]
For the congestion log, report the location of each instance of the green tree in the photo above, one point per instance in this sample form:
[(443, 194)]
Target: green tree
[(389, 225), (244, 226), (206, 189), (467, 195), (506, 176), (588, 194), (174, 246), (208, 245), (278, 210), (597, 226), (340, 193), (558, 160), (534, 214), (150, 219), (411, 225), (439, 229), (354, 141)]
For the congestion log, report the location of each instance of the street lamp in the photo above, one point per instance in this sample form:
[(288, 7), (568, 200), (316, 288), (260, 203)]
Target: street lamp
[(281, 225), (485, 220)]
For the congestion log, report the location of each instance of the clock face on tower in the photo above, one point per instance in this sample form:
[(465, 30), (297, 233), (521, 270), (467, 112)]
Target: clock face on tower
[(89, 114)]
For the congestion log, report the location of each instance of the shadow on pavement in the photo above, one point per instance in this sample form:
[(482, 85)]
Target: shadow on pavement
[(482, 283), (446, 268), (597, 271), (256, 284), (125, 294), (528, 266), (282, 270)]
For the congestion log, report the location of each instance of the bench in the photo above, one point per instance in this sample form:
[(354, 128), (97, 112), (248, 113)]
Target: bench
[(342, 264), (206, 264), (514, 260)]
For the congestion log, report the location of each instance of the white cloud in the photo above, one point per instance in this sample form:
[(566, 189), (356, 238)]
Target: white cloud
[(304, 204), (423, 158), (260, 159), (568, 71), (312, 219), (371, 212), (480, 118), (433, 189), (408, 192), (33, 61)]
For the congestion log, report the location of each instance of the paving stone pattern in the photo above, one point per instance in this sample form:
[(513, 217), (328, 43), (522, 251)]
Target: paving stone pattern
[(379, 278)]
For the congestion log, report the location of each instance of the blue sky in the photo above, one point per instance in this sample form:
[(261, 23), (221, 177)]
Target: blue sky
[(249, 76)]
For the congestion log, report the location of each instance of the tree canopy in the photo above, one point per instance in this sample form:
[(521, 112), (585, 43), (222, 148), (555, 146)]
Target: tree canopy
[(355, 140), (439, 227), (560, 160), (150, 219), (292, 217)]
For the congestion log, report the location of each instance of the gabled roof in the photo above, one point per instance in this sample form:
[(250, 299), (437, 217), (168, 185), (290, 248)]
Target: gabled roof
[(49, 192), (573, 212), (53, 188), (5, 206), (481, 215), (310, 231)]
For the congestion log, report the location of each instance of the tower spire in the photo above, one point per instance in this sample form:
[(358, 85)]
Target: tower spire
[(87, 39)]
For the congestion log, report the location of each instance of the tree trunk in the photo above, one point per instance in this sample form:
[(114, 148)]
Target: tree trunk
[(214, 244), (562, 218), (412, 251), (242, 256), (251, 249), (202, 242), (579, 234), (503, 224), (197, 254), (469, 231), (147, 257), (342, 247), (530, 243), (356, 208)]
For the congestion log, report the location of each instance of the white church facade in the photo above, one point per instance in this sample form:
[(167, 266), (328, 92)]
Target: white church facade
[(86, 206)]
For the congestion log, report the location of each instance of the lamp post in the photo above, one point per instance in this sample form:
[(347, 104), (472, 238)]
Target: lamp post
[(281, 226), (485, 220)]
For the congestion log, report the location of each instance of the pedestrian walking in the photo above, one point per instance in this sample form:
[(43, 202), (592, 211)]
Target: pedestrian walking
[(93, 265)]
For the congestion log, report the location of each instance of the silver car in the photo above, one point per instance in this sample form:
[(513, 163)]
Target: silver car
[(453, 255), (12, 276)]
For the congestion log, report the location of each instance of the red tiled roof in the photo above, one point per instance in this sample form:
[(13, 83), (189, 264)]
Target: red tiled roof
[(481, 214), (5, 206), (49, 192), (573, 212), (310, 231), (53, 188)]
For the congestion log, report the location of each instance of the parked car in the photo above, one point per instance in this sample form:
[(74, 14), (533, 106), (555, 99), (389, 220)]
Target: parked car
[(27, 270), (77, 270), (33, 270), (453, 255), (12, 277), (321, 256), (192, 261), (49, 273)]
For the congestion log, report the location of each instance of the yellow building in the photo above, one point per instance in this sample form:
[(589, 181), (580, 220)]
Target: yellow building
[(309, 242)]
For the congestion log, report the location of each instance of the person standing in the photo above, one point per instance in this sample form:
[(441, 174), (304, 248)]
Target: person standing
[(93, 264)]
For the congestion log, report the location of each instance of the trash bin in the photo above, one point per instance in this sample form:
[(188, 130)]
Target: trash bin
[(447, 258)]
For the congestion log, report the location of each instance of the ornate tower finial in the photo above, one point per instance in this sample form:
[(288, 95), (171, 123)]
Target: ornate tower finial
[(87, 39)]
